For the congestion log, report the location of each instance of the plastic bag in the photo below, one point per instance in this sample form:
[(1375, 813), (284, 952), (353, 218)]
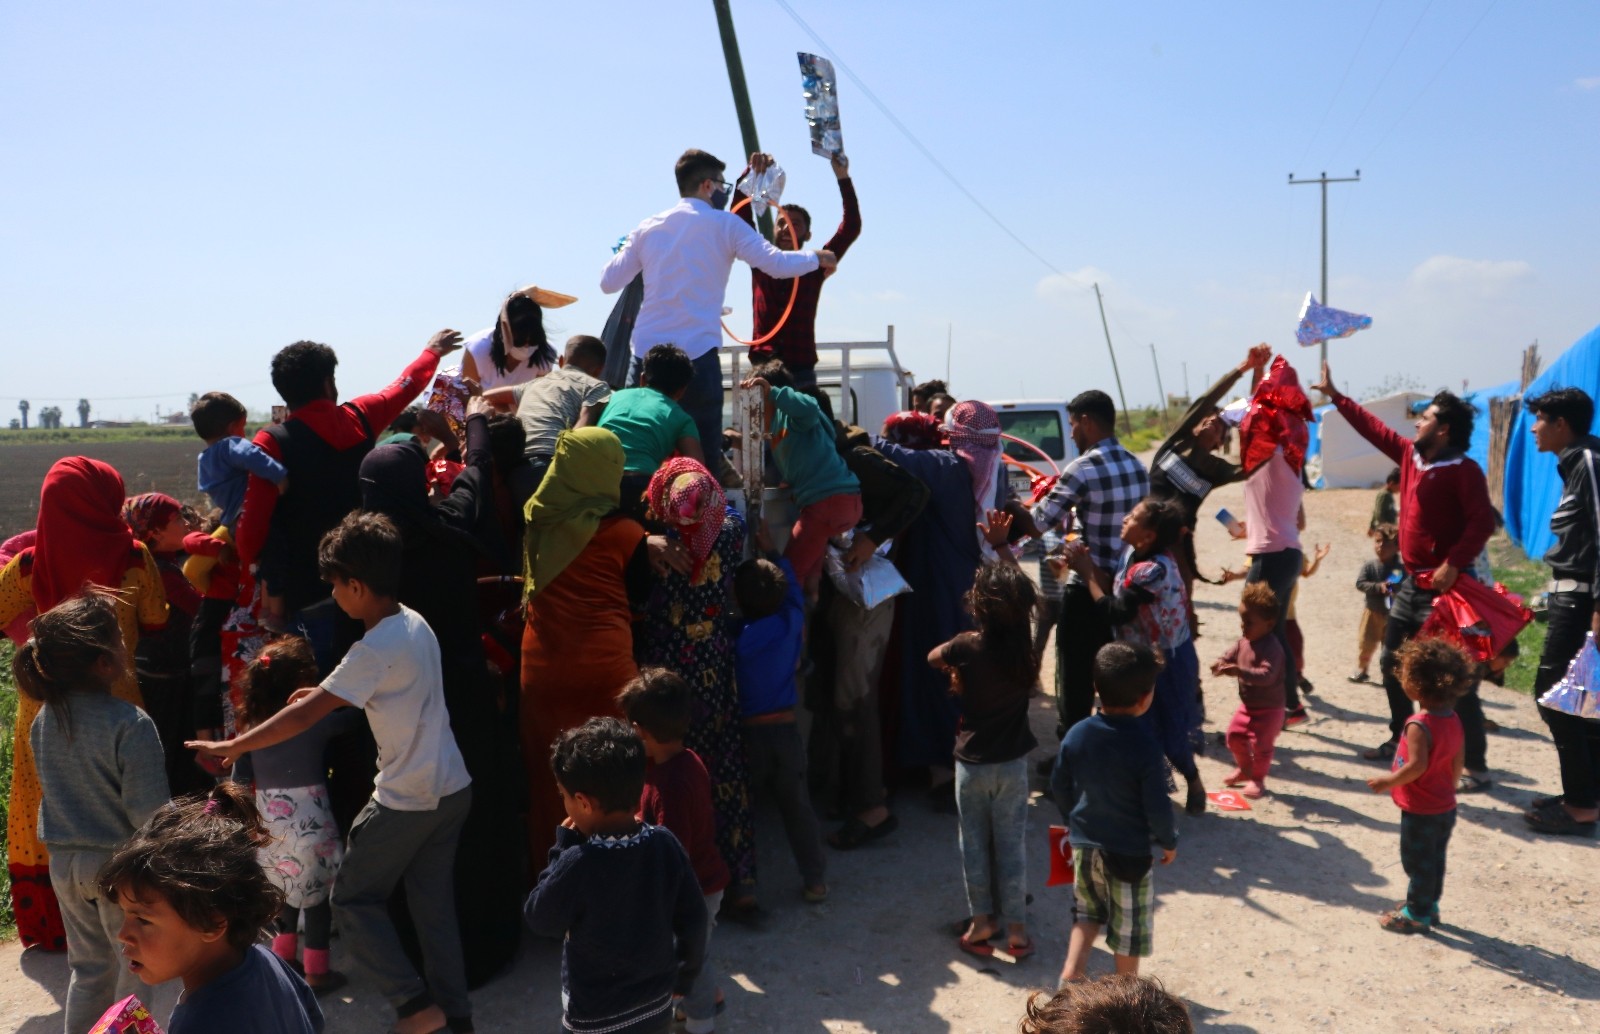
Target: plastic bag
[(129, 1016), (870, 584), (820, 87), (1477, 618), (1578, 692), (763, 189)]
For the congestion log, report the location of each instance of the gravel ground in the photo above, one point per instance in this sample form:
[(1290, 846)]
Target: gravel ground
[(1266, 921)]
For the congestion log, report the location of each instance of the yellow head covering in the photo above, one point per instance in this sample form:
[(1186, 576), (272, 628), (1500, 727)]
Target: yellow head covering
[(584, 484)]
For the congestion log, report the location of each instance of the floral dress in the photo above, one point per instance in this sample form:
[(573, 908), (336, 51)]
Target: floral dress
[(689, 628), (1154, 586)]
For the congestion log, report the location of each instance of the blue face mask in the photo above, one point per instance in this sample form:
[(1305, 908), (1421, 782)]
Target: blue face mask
[(718, 198)]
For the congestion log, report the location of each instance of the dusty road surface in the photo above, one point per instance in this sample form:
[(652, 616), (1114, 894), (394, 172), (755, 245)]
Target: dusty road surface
[(1266, 921)]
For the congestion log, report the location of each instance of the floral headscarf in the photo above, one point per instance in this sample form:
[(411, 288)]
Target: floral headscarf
[(148, 513), (684, 495)]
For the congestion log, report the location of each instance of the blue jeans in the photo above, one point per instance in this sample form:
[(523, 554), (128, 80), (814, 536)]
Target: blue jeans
[(703, 402), (992, 801)]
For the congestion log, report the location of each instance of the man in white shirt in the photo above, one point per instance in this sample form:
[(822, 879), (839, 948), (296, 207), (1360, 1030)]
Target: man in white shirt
[(686, 254)]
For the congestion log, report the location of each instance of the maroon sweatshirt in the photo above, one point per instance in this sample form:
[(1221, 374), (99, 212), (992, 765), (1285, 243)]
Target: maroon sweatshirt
[(1445, 513), (1260, 672)]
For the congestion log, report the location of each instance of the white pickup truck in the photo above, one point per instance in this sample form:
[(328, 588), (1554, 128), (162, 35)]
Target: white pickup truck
[(1042, 423)]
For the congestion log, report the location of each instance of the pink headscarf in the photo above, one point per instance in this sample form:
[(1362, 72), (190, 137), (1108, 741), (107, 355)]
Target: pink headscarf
[(684, 495), (974, 432)]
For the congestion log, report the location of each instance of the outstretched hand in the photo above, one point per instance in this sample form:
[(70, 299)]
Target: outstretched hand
[(998, 531), (761, 161), (1325, 383), (841, 165), (827, 261), (444, 342), (1258, 357)]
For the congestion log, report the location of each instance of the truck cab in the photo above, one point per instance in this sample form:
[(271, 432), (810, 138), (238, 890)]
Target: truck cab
[(1042, 423)]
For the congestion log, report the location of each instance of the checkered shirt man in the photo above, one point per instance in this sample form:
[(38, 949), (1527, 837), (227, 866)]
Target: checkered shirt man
[(1102, 485)]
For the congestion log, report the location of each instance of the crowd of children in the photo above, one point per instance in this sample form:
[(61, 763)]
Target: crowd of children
[(384, 606)]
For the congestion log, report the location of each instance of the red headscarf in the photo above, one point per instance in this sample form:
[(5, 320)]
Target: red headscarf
[(684, 495), (914, 430), (1277, 416), (82, 537)]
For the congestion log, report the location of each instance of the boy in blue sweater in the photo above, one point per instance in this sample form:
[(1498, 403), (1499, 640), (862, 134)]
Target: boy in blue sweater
[(1110, 783), (766, 657), (620, 891)]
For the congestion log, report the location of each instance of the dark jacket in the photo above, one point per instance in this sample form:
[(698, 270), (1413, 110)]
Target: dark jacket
[(1575, 523), (891, 496)]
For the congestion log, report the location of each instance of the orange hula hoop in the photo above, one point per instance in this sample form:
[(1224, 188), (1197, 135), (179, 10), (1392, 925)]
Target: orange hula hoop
[(794, 292)]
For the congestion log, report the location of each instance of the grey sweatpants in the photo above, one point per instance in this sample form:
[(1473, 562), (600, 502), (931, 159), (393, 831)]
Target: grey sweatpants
[(100, 977), (387, 846)]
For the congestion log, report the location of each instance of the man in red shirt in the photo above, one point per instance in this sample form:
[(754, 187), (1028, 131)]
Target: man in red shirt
[(796, 341), (1445, 520), (322, 443)]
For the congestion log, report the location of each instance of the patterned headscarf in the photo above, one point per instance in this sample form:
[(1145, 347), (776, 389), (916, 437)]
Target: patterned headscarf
[(148, 513), (684, 495), (82, 537), (913, 430), (1277, 416), (974, 432)]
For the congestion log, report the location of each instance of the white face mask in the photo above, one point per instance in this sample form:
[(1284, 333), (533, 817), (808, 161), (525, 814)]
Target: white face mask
[(515, 353)]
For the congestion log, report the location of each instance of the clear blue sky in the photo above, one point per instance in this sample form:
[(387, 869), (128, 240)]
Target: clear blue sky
[(187, 187)]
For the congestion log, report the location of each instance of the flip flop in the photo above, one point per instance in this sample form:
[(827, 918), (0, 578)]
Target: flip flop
[(1399, 921), (1018, 952), (1382, 752), (1469, 783), (982, 949)]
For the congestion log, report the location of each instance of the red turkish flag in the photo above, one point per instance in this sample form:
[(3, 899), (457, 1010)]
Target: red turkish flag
[(1060, 857)]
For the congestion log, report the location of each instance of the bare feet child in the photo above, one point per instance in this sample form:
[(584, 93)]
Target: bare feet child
[(1256, 660)]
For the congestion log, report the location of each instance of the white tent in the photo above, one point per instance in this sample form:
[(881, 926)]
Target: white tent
[(1348, 460)]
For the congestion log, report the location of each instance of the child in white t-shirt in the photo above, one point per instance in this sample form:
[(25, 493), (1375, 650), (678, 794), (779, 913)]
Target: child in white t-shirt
[(422, 792)]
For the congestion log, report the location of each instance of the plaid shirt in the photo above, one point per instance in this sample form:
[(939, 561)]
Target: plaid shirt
[(1103, 484)]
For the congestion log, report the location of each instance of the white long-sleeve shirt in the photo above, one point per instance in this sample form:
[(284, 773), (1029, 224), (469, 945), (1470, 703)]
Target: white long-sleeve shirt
[(686, 254)]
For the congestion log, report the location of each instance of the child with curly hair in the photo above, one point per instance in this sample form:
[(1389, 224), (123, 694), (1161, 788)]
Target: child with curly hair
[(1427, 764), (196, 900), (292, 797)]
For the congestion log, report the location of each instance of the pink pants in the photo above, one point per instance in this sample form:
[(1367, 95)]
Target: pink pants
[(817, 523), (1251, 735)]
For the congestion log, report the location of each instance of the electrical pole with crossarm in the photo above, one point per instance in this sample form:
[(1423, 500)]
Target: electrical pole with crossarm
[(1324, 181)]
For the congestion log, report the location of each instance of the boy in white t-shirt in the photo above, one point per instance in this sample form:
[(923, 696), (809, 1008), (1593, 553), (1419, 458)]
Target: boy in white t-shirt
[(409, 828)]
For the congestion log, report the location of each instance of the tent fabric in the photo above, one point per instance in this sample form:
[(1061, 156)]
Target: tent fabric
[(1478, 451), (1314, 447), (1347, 460), (1533, 486)]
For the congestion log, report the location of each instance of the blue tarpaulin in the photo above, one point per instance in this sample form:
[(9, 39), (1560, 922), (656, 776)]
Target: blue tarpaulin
[(1532, 486)]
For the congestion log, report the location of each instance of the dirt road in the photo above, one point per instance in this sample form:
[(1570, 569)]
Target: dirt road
[(1266, 921)]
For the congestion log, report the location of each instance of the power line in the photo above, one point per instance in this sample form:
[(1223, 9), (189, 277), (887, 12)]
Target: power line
[(1431, 79), (1381, 80), (918, 144), (1340, 88)]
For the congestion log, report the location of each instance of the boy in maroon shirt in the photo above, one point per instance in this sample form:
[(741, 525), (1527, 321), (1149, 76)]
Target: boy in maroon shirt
[(795, 342), (677, 795), (1445, 520)]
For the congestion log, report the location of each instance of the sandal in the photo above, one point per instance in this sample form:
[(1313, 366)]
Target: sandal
[(1556, 821), (1018, 952), (855, 833), (1469, 783), (1382, 752), (1543, 802), (983, 949), (1400, 921)]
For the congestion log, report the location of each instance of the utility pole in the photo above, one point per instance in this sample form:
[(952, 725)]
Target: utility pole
[(1127, 424), (1159, 389), (1186, 381), (949, 337), (1324, 181), (741, 94)]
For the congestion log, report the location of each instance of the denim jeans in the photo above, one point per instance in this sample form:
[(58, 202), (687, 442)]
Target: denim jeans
[(1577, 739), (1280, 571), (992, 801), (700, 1004), (1424, 840)]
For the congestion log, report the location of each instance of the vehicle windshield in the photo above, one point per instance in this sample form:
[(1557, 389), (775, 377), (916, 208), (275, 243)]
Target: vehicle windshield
[(1042, 427)]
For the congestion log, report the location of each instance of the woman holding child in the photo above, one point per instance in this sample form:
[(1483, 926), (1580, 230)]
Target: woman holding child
[(82, 540), (688, 627)]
